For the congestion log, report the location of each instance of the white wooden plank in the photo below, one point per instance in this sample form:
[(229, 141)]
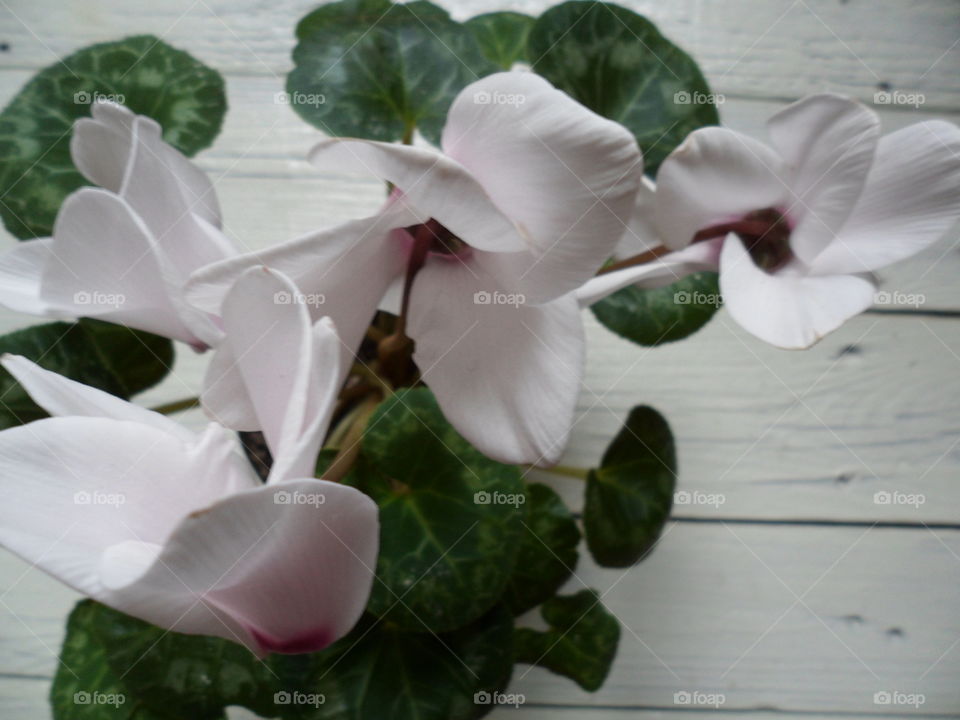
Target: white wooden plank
[(713, 610), (756, 48), (26, 699)]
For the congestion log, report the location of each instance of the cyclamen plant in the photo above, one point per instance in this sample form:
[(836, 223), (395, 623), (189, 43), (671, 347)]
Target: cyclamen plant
[(362, 485)]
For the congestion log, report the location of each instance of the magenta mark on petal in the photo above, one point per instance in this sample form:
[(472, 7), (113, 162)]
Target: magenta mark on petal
[(304, 642)]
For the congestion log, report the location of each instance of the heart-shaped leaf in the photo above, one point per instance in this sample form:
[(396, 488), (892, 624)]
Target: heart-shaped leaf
[(580, 644), (151, 78), (379, 671), (451, 519), (378, 70), (88, 687), (547, 554), (113, 358), (502, 36), (661, 315), (619, 65), (629, 496)]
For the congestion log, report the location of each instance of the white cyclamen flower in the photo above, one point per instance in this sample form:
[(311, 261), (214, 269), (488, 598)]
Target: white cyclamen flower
[(122, 252), (526, 200), (796, 229), (175, 527)]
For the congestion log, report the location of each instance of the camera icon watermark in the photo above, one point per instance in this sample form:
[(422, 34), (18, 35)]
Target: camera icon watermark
[(99, 698), (484, 497), (686, 297), (484, 697), (485, 297), (83, 497), (684, 97), (299, 98), (284, 697), (895, 697), (85, 97), (485, 97), (883, 497), (886, 297), (298, 497), (99, 299), (696, 697), (696, 497), (282, 297), (898, 97)]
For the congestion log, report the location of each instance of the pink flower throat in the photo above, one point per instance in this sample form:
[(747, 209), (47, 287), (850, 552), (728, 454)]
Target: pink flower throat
[(765, 233)]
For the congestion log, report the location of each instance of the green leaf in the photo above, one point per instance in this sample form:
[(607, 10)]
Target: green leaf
[(190, 676), (618, 64), (502, 36), (629, 496), (660, 315), (86, 686), (379, 671), (547, 553), (113, 358), (150, 77), (580, 644), (373, 69), (450, 518)]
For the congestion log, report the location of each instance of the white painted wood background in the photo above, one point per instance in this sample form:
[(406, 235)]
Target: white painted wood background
[(798, 595)]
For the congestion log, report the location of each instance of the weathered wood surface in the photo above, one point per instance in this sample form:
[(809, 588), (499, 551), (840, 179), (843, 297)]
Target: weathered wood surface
[(796, 444)]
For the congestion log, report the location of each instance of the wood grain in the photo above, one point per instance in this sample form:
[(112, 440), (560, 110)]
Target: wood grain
[(753, 48), (793, 619), (782, 437)]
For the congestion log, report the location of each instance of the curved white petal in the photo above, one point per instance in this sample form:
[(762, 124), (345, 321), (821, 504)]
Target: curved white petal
[(642, 233), (61, 396), (277, 365), (101, 145), (792, 310), (436, 185), (104, 263), (168, 206), (716, 175), (126, 154), (342, 272), (284, 568), (912, 197), (21, 269), (828, 142), (72, 487), (564, 175), (665, 270), (506, 374)]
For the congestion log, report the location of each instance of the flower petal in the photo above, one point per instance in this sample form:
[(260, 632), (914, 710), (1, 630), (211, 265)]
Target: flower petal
[(20, 271), (507, 376), (436, 185), (126, 154), (72, 487), (101, 145), (716, 175), (912, 197), (791, 311), (63, 397), (279, 366), (285, 568), (565, 176), (104, 264), (344, 270), (665, 270), (642, 233), (828, 141)]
